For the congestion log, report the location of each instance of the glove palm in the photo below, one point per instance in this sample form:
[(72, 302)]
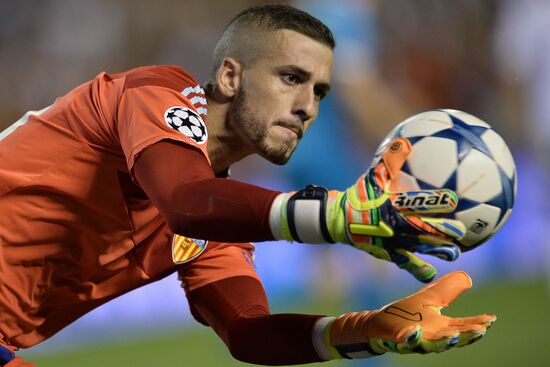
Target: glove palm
[(411, 325)]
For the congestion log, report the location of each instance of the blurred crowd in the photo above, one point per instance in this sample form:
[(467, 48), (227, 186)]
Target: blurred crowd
[(394, 58)]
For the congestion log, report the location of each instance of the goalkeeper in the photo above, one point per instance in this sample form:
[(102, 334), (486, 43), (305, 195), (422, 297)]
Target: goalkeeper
[(123, 181)]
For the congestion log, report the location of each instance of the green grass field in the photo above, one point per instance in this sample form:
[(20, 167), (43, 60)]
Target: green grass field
[(517, 339)]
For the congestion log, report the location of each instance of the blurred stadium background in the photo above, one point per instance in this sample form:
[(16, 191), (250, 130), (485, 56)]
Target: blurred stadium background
[(394, 58)]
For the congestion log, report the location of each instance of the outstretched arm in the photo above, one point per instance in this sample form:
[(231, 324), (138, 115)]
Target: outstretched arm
[(179, 181), (237, 309)]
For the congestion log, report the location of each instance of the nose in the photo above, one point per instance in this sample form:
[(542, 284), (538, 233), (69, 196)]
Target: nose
[(306, 105)]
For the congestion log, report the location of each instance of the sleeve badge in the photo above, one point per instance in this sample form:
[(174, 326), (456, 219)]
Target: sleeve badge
[(187, 122), (185, 249)]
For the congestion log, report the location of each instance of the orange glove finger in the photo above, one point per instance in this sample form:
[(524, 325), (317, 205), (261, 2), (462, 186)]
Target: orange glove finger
[(436, 341), (19, 362), (470, 337), (485, 320), (471, 329), (393, 157), (450, 337), (443, 291), (453, 336)]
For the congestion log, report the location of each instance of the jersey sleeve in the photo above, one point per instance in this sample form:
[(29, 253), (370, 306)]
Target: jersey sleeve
[(219, 261), (152, 111)]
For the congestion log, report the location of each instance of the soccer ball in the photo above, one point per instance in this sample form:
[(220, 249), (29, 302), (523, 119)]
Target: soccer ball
[(457, 151)]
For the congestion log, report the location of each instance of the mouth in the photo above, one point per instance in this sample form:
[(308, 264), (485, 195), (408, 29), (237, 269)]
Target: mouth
[(296, 129)]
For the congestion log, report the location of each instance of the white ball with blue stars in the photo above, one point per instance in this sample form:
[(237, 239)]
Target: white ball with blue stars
[(455, 150)]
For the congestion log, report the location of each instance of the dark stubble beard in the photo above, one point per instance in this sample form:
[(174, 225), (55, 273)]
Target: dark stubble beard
[(253, 131)]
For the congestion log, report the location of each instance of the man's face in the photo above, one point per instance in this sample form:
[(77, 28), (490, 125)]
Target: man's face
[(280, 93)]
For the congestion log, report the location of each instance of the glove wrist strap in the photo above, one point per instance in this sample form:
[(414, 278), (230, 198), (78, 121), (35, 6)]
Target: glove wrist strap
[(321, 339), (357, 345), (302, 216), (349, 335)]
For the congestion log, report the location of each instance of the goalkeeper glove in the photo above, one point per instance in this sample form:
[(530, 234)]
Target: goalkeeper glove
[(387, 225), (411, 325)]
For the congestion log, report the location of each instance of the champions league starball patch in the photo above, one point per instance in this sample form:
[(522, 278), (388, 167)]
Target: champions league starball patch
[(185, 249), (187, 122)]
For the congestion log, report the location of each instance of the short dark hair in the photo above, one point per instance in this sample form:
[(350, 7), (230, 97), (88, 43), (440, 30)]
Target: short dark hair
[(246, 29)]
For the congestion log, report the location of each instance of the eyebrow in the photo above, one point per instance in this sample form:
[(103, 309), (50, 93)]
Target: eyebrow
[(301, 72)]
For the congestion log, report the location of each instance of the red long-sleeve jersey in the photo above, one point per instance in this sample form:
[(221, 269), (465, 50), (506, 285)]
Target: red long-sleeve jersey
[(76, 229)]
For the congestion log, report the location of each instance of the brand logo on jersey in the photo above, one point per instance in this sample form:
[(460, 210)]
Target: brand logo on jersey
[(187, 122), (441, 201), (185, 249)]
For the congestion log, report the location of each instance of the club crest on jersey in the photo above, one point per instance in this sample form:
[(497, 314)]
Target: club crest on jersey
[(441, 201), (187, 122), (185, 249)]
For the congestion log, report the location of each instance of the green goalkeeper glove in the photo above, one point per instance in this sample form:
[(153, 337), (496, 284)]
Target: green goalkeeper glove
[(389, 226), (411, 325)]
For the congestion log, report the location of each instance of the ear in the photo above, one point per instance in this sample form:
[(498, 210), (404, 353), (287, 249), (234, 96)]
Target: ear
[(229, 77)]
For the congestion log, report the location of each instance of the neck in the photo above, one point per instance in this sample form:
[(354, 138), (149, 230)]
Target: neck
[(224, 146)]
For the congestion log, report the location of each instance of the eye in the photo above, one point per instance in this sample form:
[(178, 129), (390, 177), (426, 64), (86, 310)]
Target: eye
[(291, 78)]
